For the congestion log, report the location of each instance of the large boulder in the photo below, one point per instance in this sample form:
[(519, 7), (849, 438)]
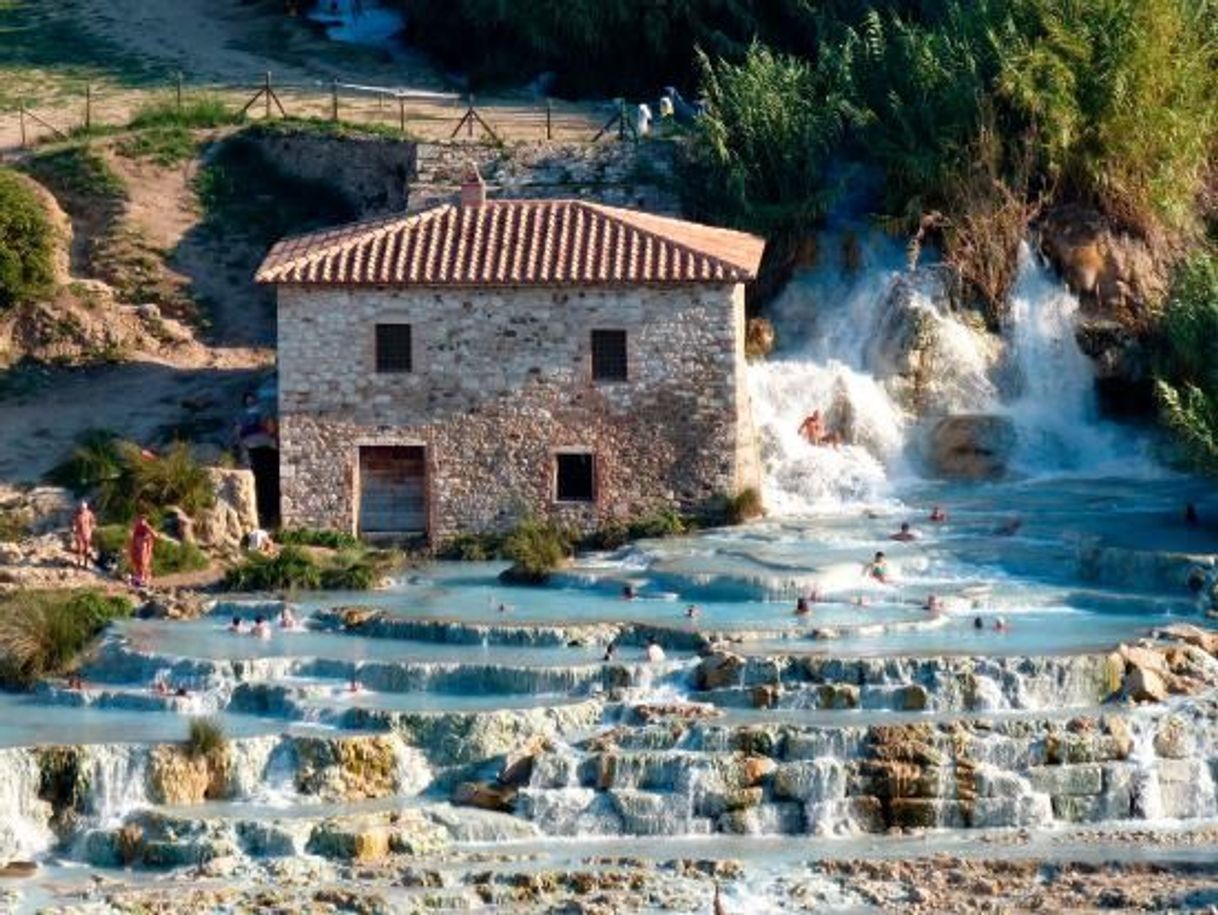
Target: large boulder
[(719, 670), (178, 778), (971, 447), (234, 514), (1114, 274), (1144, 685)]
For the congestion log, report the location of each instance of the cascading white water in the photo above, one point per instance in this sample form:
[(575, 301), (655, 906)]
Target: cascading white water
[(881, 353), (1054, 406), (24, 818)]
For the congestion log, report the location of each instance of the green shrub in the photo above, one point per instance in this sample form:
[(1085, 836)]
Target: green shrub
[(536, 549), (291, 569), (96, 459), (349, 575), (1187, 362), (744, 506), (472, 547), (173, 478), (205, 738), (165, 146), (42, 632), (329, 539), (79, 170), (663, 523), (200, 111), (129, 481), (27, 242)]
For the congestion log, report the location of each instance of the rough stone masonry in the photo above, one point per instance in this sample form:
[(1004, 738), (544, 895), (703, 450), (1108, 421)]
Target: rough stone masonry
[(500, 379)]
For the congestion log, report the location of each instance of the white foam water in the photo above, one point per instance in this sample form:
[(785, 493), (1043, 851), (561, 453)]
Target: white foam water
[(847, 353)]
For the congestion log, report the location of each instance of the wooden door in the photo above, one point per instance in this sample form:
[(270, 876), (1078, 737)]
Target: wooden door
[(393, 490)]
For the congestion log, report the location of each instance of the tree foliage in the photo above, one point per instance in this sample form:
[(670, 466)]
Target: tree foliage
[(762, 153), (1124, 98), (27, 242), (1187, 383)]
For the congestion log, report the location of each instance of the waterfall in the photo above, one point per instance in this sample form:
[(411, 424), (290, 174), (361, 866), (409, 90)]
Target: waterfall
[(24, 818), (359, 22), (884, 352), (117, 778), (1054, 404)]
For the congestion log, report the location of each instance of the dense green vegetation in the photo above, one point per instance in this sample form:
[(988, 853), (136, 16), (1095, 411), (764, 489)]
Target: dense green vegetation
[(536, 548), (126, 480), (295, 568), (27, 242), (42, 632), (1188, 363)]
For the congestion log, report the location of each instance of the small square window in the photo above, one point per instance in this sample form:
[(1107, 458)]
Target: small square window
[(574, 478), (609, 355), (393, 349)]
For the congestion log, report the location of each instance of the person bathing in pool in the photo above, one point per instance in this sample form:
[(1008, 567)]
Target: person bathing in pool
[(878, 569)]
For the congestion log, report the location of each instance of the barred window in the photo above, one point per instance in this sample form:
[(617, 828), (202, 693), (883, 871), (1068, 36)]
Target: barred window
[(393, 349), (609, 355), (574, 478)]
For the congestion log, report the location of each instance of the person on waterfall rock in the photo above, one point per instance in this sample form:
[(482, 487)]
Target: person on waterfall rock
[(83, 524), (143, 539), (813, 428)]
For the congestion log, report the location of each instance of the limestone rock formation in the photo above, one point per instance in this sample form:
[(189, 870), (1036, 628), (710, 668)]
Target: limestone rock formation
[(971, 447), (234, 514), (718, 670), (354, 768)]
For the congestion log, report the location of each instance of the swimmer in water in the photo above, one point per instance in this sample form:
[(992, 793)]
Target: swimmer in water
[(1000, 625), (937, 515), (655, 653), (1009, 528), (905, 534), (801, 607), (932, 604), (261, 628), (610, 652), (878, 568), (628, 592), (236, 625), (692, 612), (978, 623)]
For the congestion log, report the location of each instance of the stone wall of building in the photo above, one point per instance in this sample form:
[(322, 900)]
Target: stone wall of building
[(501, 381)]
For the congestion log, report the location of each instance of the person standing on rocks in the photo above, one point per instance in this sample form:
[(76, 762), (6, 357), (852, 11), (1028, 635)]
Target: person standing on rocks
[(143, 539), (83, 525)]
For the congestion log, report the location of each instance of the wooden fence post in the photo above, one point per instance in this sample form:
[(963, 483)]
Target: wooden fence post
[(179, 91), (470, 126), (267, 89), (402, 113), (88, 106), (334, 100), (549, 119)]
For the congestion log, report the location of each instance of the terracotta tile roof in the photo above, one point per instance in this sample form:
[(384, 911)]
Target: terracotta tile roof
[(516, 243)]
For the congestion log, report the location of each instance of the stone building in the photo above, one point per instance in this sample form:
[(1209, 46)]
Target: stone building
[(457, 369)]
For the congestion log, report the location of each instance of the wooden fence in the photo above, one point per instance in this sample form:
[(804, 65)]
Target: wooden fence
[(411, 112)]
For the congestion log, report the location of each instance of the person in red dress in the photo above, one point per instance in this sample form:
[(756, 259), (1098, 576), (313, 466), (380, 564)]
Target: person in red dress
[(143, 538)]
